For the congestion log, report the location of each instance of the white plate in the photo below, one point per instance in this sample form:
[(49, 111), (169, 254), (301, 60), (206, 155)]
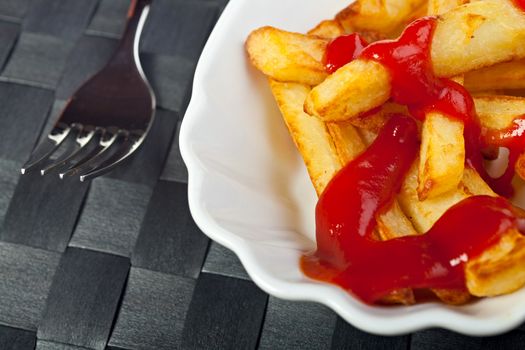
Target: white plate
[(249, 190)]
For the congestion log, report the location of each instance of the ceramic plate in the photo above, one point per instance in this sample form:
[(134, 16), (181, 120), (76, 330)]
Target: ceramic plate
[(249, 190)]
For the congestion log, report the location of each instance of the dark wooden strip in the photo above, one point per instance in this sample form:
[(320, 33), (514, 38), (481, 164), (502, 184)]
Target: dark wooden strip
[(16, 339), (170, 78), (222, 261), (13, 10), (296, 325), (145, 165), (169, 240), (225, 313), (65, 19), (111, 218), (48, 345), (43, 211), (83, 299), (153, 311), (89, 55), (440, 339), (9, 172), (8, 34), (24, 112), (25, 275), (178, 27), (38, 60), (171, 44), (348, 337), (175, 169), (109, 19)]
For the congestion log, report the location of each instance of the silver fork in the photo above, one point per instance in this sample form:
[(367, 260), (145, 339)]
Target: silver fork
[(107, 118)]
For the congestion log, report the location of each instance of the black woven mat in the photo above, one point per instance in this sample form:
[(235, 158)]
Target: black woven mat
[(119, 263)]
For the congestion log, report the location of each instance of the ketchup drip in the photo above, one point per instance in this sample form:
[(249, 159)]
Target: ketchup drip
[(343, 50), (520, 4), (348, 255), (512, 138)]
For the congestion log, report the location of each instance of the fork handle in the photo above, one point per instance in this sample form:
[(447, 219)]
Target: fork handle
[(128, 47)]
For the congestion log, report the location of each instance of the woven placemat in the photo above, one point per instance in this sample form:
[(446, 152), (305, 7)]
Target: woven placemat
[(118, 263)]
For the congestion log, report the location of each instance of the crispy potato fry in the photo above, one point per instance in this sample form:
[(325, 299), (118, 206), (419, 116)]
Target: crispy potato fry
[(309, 134), (436, 7), (498, 112), (442, 156), (380, 16), (500, 269), (328, 29), (286, 56), (353, 89), (476, 35), (347, 141), (464, 40), (508, 76), (442, 152)]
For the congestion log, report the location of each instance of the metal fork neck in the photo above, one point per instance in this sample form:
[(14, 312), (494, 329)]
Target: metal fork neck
[(137, 13)]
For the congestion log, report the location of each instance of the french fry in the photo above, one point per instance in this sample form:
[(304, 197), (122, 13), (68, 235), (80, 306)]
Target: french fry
[(353, 89), (286, 56), (442, 155), (442, 152), (508, 76), (380, 16), (436, 7), (498, 112), (500, 269), (328, 29), (309, 134), (471, 36)]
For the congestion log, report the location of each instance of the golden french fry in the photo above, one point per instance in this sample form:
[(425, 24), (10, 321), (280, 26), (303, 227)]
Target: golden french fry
[(347, 141), (476, 35), (498, 112), (328, 29), (353, 89), (286, 56), (442, 152), (442, 155), (381, 16), (436, 7), (309, 134), (500, 269), (508, 76)]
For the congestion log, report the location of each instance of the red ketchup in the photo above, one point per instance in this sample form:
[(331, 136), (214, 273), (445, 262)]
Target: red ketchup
[(343, 50), (520, 4), (512, 138), (415, 85), (346, 213), (349, 256)]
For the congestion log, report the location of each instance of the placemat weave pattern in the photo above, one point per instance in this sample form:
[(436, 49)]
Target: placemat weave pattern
[(118, 263)]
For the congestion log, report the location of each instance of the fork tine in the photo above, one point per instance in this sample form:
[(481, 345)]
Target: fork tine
[(47, 147), (82, 143), (95, 157), (125, 150)]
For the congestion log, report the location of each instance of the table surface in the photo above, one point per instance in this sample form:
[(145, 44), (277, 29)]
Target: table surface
[(118, 263)]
